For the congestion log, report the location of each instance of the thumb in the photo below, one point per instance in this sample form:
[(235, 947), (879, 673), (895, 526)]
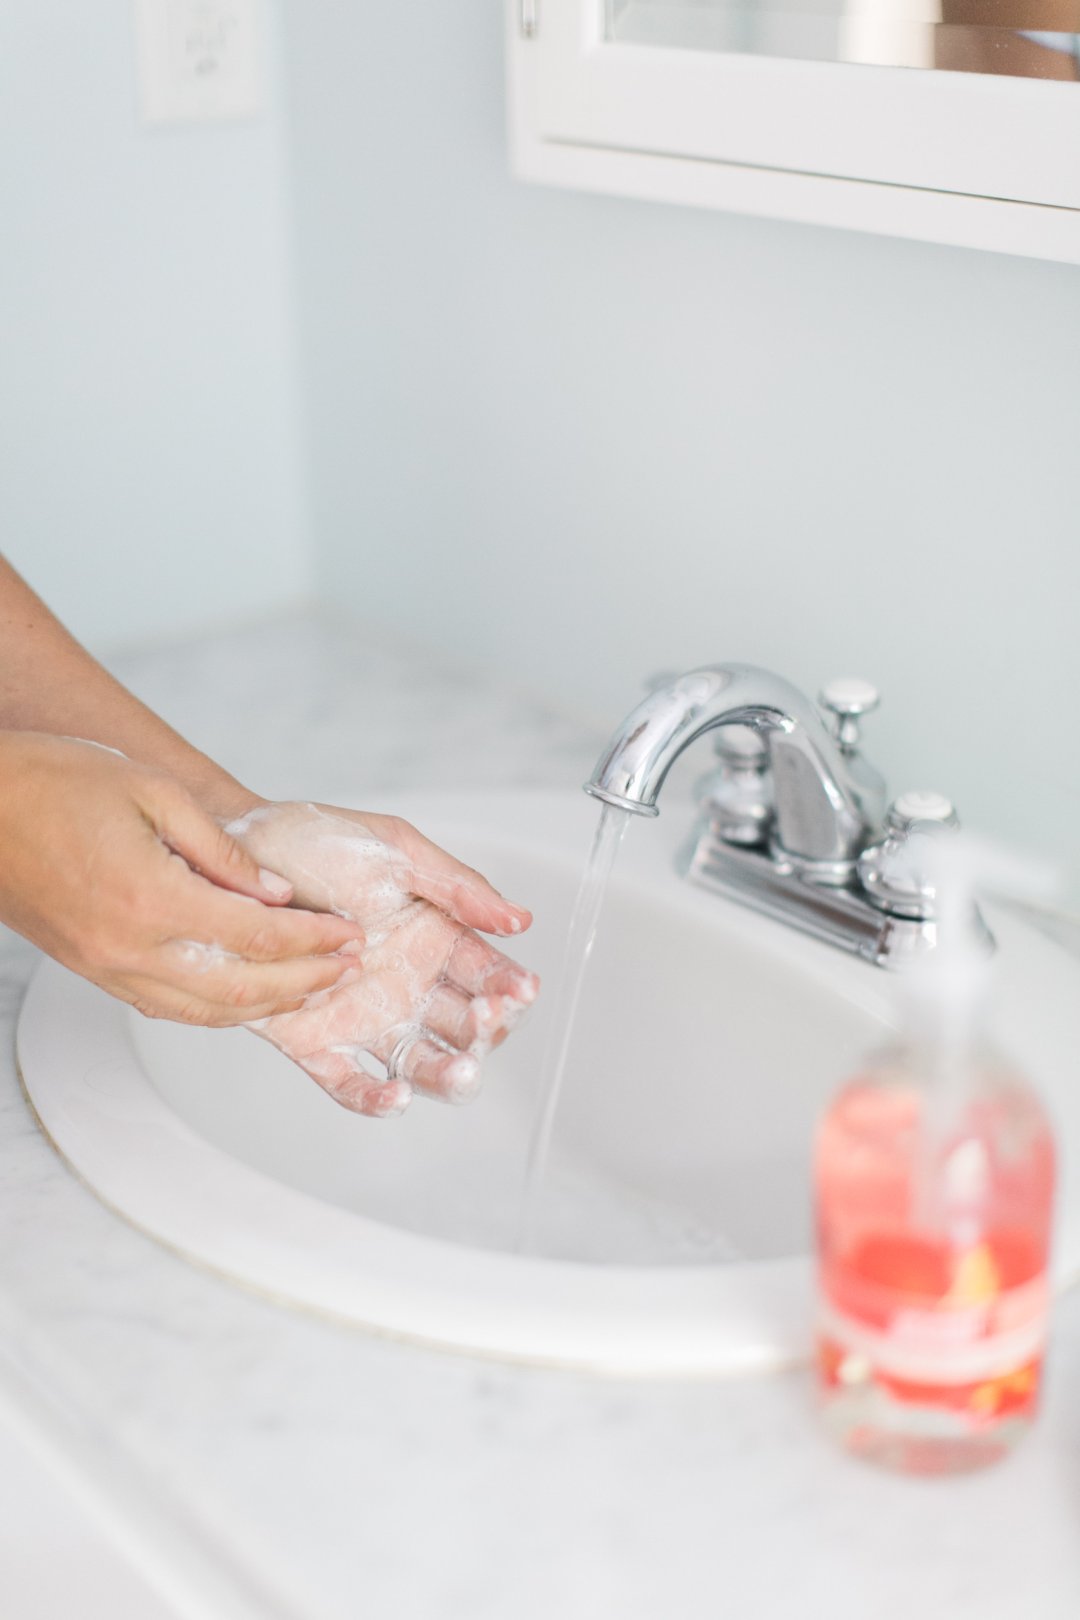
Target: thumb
[(461, 892), (208, 849)]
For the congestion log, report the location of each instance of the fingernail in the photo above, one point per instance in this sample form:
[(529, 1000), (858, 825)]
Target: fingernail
[(465, 1079), (391, 1101), (513, 1011), (279, 887), (350, 974), (514, 925)]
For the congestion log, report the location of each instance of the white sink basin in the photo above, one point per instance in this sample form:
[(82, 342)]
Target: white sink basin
[(675, 1231)]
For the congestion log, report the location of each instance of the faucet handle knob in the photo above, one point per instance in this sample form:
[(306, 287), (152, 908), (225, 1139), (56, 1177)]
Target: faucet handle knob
[(890, 871), (848, 699), (919, 805), (742, 748), (737, 797)]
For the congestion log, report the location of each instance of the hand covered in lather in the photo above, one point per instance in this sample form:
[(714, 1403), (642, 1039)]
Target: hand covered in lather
[(427, 997)]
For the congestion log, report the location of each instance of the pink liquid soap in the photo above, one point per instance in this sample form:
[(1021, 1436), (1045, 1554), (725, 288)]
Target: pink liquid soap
[(933, 1228)]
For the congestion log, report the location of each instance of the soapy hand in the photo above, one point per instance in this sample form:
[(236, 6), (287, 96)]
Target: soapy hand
[(114, 869), (427, 997)]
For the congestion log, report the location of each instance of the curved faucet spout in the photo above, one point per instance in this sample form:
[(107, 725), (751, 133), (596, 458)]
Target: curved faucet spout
[(821, 817)]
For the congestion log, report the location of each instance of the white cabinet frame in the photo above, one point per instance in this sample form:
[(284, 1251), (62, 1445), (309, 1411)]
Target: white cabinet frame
[(970, 159)]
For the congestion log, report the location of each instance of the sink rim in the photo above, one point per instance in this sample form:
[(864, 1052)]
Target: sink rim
[(90, 1095)]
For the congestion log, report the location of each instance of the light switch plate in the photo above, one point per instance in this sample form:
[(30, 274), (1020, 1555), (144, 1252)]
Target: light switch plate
[(198, 60)]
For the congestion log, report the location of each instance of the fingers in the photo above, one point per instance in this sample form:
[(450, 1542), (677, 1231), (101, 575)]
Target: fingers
[(251, 989), (437, 1070), (187, 830), (259, 933), (342, 1074), (476, 1024), (461, 892), (415, 1055), (416, 1059), (458, 1018), (155, 998), (479, 969)]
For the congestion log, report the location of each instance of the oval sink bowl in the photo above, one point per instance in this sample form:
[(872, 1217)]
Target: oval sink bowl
[(674, 1229)]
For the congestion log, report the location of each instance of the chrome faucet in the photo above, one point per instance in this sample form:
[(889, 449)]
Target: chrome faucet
[(793, 820)]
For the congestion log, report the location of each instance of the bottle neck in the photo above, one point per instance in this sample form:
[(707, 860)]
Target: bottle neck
[(944, 1012)]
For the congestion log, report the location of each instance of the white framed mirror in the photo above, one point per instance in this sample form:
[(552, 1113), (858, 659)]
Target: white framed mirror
[(950, 120)]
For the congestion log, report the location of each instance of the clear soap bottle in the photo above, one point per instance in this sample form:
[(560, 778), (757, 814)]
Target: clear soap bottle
[(934, 1179)]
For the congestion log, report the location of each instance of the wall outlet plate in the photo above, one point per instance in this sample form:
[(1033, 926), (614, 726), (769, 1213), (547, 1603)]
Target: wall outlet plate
[(198, 60)]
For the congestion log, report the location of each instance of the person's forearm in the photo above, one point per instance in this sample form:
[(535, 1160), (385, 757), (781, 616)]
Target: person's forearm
[(49, 683)]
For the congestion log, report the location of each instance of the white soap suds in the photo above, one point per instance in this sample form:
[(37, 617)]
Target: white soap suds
[(202, 957), (415, 965)]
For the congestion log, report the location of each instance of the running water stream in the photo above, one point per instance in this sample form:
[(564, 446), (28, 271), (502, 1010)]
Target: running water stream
[(579, 944)]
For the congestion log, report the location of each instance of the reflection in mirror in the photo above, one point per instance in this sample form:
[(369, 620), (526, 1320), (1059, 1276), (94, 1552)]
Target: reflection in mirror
[(1031, 39)]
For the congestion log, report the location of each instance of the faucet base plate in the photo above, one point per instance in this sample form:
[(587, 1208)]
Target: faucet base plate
[(839, 916)]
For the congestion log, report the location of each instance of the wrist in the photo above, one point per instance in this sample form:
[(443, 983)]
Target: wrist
[(221, 795)]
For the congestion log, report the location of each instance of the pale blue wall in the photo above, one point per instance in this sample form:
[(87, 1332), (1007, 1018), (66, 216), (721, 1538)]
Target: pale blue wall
[(581, 438), (150, 456), (572, 437)]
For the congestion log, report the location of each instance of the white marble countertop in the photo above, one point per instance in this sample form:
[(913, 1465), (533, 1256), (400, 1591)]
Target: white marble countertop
[(352, 1476)]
